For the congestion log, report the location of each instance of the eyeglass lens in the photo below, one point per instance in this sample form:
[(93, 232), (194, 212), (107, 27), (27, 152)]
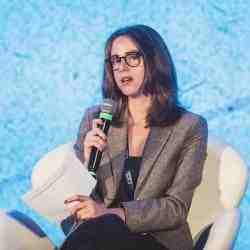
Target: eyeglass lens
[(132, 59)]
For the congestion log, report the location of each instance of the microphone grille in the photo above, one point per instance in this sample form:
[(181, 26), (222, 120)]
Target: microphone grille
[(108, 106)]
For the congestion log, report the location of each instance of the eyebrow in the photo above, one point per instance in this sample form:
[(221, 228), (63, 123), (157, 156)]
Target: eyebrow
[(127, 53)]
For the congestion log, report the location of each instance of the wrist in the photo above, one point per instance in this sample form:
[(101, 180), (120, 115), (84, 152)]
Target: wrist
[(118, 211)]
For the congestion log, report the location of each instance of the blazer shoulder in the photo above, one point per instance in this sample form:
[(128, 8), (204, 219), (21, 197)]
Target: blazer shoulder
[(93, 111), (88, 115), (189, 119)]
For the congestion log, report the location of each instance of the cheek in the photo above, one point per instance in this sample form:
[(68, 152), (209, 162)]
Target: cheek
[(140, 75), (116, 78), (115, 74), (141, 71)]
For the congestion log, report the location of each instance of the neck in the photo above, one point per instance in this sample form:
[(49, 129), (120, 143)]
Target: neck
[(138, 109)]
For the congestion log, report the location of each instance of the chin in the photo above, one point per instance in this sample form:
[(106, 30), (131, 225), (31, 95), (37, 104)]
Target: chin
[(132, 95), (130, 92)]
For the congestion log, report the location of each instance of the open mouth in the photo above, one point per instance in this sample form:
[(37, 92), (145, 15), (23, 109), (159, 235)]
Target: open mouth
[(126, 79)]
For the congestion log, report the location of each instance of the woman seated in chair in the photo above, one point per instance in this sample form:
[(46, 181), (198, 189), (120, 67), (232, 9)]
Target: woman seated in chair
[(152, 139)]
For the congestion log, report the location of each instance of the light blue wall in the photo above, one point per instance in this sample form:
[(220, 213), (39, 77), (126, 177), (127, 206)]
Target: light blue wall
[(51, 56)]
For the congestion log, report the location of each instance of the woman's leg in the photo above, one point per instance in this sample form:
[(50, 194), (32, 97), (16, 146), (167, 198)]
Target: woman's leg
[(108, 232), (15, 234)]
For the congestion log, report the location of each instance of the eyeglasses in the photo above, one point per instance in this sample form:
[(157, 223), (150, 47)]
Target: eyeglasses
[(132, 59)]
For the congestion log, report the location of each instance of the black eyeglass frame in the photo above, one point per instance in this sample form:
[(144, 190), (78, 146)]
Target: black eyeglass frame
[(137, 53)]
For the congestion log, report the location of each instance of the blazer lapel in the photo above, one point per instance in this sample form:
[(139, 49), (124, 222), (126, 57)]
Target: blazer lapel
[(116, 153), (157, 138), (116, 148)]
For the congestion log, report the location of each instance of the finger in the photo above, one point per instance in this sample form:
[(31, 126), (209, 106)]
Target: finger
[(83, 214), (97, 145), (79, 207), (100, 133), (96, 123), (92, 138), (86, 204), (78, 198), (97, 139), (96, 142), (71, 206)]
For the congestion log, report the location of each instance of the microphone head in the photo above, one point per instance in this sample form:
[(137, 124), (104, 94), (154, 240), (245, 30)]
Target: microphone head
[(108, 106)]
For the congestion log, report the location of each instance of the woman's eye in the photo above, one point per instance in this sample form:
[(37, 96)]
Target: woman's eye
[(133, 57), (115, 59)]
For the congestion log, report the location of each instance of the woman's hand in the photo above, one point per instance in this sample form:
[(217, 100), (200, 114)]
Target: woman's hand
[(84, 207), (94, 138)]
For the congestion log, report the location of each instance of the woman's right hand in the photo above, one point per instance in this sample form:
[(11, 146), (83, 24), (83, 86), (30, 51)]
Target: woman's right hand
[(94, 138)]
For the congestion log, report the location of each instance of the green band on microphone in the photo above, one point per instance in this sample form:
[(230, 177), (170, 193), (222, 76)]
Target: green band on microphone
[(92, 173), (106, 116)]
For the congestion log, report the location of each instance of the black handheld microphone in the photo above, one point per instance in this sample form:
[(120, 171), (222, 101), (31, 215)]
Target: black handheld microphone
[(106, 114)]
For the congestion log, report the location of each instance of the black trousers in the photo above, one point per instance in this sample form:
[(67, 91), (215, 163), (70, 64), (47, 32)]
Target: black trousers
[(108, 232)]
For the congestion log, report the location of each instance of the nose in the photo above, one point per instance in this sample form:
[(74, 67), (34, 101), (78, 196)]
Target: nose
[(122, 65)]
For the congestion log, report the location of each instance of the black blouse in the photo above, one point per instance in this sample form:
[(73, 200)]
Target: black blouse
[(129, 178)]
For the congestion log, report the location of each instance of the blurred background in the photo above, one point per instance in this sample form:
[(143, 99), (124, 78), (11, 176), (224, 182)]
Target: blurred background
[(51, 61)]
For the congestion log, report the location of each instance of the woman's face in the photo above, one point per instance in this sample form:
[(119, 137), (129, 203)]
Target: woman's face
[(128, 66)]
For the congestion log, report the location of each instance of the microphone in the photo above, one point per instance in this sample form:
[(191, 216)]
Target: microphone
[(106, 115)]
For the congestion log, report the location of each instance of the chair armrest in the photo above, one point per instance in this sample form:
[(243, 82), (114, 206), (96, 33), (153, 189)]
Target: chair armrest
[(224, 230)]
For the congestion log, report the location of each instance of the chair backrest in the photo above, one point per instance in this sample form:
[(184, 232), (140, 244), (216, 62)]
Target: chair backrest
[(223, 185)]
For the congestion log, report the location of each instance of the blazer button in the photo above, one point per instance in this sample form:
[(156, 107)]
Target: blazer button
[(144, 234)]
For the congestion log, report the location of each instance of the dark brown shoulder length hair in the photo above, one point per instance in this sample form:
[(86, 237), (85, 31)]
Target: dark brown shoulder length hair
[(160, 80)]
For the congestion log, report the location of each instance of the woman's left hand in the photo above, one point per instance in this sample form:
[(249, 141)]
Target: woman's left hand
[(84, 207)]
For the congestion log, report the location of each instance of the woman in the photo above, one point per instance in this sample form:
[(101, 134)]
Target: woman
[(158, 141)]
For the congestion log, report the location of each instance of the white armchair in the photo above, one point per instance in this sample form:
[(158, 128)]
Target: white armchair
[(215, 201), (19, 232)]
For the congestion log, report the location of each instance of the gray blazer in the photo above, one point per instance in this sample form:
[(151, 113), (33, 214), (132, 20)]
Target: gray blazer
[(171, 169)]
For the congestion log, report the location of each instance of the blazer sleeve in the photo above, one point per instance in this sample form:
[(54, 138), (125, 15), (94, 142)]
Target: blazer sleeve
[(85, 126), (171, 210)]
